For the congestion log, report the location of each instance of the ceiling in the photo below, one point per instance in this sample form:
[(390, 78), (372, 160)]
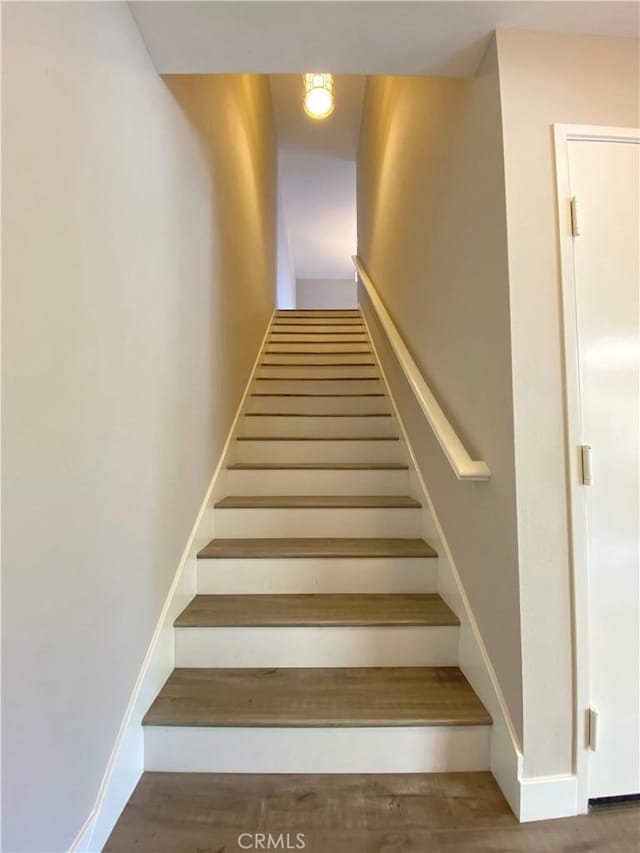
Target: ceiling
[(345, 37)]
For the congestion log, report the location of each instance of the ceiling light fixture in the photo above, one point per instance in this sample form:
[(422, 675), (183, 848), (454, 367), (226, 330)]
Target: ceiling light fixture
[(319, 97)]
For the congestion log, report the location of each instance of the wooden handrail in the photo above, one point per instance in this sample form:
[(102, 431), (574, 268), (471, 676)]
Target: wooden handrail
[(465, 468)]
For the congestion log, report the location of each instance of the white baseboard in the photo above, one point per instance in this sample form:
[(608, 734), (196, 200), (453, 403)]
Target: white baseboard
[(547, 797), (473, 658), (126, 763)]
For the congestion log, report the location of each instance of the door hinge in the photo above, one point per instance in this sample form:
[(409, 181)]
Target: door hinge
[(585, 465), (592, 726), (575, 222)]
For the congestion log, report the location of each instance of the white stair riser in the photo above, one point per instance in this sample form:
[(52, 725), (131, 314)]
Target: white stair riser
[(303, 482), (318, 386), (313, 646), (317, 575), (359, 450), (402, 749), (328, 349), (312, 360), (292, 337), (338, 426), (309, 405), (256, 523), (311, 372)]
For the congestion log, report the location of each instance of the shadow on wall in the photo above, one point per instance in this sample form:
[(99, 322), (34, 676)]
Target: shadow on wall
[(235, 192)]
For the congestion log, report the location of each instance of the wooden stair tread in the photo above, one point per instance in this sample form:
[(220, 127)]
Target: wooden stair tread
[(317, 415), (337, 311), (317, 466), (318, 364), (311, 547), (314, 394), (330, 610), (317, 502), (312, 322), (317, 438), (373, 696), (317, 378), (316, 351), (275, 331)]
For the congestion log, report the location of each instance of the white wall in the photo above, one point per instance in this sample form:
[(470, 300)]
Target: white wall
[(432, 236), (326, 293), (547, 78), (286, 273), (138, 229), (319, 194)]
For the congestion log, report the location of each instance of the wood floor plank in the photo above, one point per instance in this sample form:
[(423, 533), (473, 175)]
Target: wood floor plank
[(328, 548), (325, 610), (312, 697), (385, 813), (318, 502)]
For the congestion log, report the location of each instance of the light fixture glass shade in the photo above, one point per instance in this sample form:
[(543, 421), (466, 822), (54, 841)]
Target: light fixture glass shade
[(319, 98)]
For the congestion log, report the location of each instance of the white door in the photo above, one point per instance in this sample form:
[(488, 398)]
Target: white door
[(605, 181)]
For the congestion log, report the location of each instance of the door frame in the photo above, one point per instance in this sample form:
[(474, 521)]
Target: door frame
[(563, 134)]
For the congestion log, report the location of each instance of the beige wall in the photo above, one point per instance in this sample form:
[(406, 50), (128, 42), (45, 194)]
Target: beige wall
[(547, 78), (432, 235), (138, 229)]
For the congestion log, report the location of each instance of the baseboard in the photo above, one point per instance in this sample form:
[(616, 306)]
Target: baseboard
[(473, 658), (547, 797), (126, 763)]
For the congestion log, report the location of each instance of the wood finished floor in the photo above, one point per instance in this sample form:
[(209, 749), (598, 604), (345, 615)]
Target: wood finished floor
[(423, 813)]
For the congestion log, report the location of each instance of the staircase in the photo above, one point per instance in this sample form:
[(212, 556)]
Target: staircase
[(317, 641)]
